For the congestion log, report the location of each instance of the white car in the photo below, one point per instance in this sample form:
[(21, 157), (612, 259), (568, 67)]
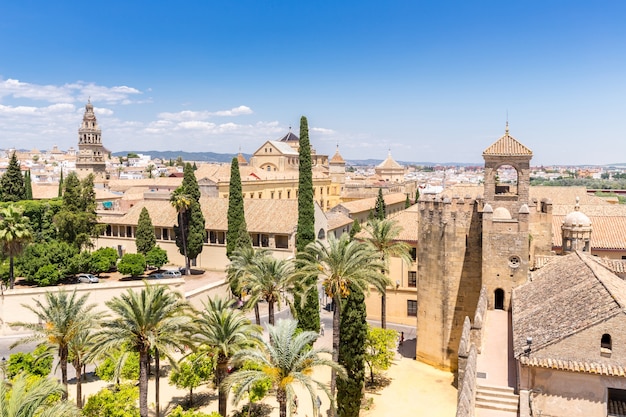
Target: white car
[(171, 274), (87, 278)]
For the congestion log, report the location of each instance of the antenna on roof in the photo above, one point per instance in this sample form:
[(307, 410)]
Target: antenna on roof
[(507, 122)]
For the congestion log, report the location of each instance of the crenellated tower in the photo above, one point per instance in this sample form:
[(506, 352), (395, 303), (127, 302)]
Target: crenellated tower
[(449, 274), (91, 153)]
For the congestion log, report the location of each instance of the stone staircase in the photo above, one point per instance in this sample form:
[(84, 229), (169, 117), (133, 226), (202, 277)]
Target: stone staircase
[(497, 398)]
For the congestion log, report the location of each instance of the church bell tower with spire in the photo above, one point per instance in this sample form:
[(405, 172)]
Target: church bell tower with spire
[(91, 153)]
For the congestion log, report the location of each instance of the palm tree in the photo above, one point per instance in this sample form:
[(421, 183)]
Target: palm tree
[(383, 236), (239, 271), (61, 320), (342, 263), (154, 318), (286, 360), (270, 280), (14, 235), (182, 202), (149, 170), (264, 277), (27, 397), (228, 331), (79, 351)]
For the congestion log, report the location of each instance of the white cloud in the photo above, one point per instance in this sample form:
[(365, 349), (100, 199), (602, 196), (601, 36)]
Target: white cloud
[(204, 115), (323, 131), (67, 93)]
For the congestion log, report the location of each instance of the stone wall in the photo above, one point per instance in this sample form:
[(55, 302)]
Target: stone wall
[(449, 258), (466, 401)]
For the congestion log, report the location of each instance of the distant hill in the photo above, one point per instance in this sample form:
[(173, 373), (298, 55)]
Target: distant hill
[(227, 157), (187, 156)]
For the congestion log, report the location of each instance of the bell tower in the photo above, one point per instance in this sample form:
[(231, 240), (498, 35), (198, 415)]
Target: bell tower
[(91, 153), (506, 216)]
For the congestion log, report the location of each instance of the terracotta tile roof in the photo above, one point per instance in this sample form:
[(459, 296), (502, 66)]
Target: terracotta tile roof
[(617, 266), (359, 206), (566, 296), (575, 366), (507, 145), (389, 163), (262, 216), (165, 182), (337, 220), (45, 191), (102, 194), (407, 220), (337, 158), (608, 232)]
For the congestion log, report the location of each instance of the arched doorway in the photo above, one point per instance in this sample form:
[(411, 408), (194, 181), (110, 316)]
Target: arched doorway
[(498, 302)]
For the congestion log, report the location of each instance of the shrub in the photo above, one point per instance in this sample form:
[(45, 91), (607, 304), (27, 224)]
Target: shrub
[(132, 264)]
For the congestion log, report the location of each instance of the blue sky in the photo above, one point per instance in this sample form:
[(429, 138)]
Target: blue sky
[(430, 81)]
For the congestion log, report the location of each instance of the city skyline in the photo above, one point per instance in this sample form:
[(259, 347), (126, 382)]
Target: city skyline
[(429, 82)]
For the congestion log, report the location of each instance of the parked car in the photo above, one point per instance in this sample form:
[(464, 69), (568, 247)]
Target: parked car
[(87, 278), (172, 274)]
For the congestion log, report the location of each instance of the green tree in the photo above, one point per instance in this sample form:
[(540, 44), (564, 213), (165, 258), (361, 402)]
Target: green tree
[(227, 331), (80, 348), (48, 275), (12, 186), (379, 349), (270, 279), (102, 260), (120, 364), (150, 169), (60, 193), (193, 371), (236, 216), (356, 228), (182, 203), (417, 194), (156, 318), (342, 264), (238, 272), (118, 402), (380, 209), (34, 397), (407, 202), (287, 359), (353, 334), (145, 238), (14, 235), (383, 237), (179, 412), (76, 221), (35, 363), (39, 255), (63, 316), (156, 257), (28, 186), (307, 312), (133, 264), (196, 234)]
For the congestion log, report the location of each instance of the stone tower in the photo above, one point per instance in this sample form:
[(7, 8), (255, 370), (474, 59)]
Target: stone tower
[(506, 217), (337, 168), (467, 243), (91, 153), (449, 274)]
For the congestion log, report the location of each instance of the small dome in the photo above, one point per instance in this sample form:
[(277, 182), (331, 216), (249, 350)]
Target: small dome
[(501, 213), (576, 219)]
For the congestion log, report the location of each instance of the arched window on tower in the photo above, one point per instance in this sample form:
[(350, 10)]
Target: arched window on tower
[(506, 178), (606, 345)]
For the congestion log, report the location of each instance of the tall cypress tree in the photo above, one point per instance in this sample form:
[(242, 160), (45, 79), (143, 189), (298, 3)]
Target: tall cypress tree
[(356, 228), (353, 334), (60, 194), (237, 228), (144, 236), (12, 182), (308, 315), (407, 202), (192, 219), (380, 208), (417, 194), (29, 186)]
